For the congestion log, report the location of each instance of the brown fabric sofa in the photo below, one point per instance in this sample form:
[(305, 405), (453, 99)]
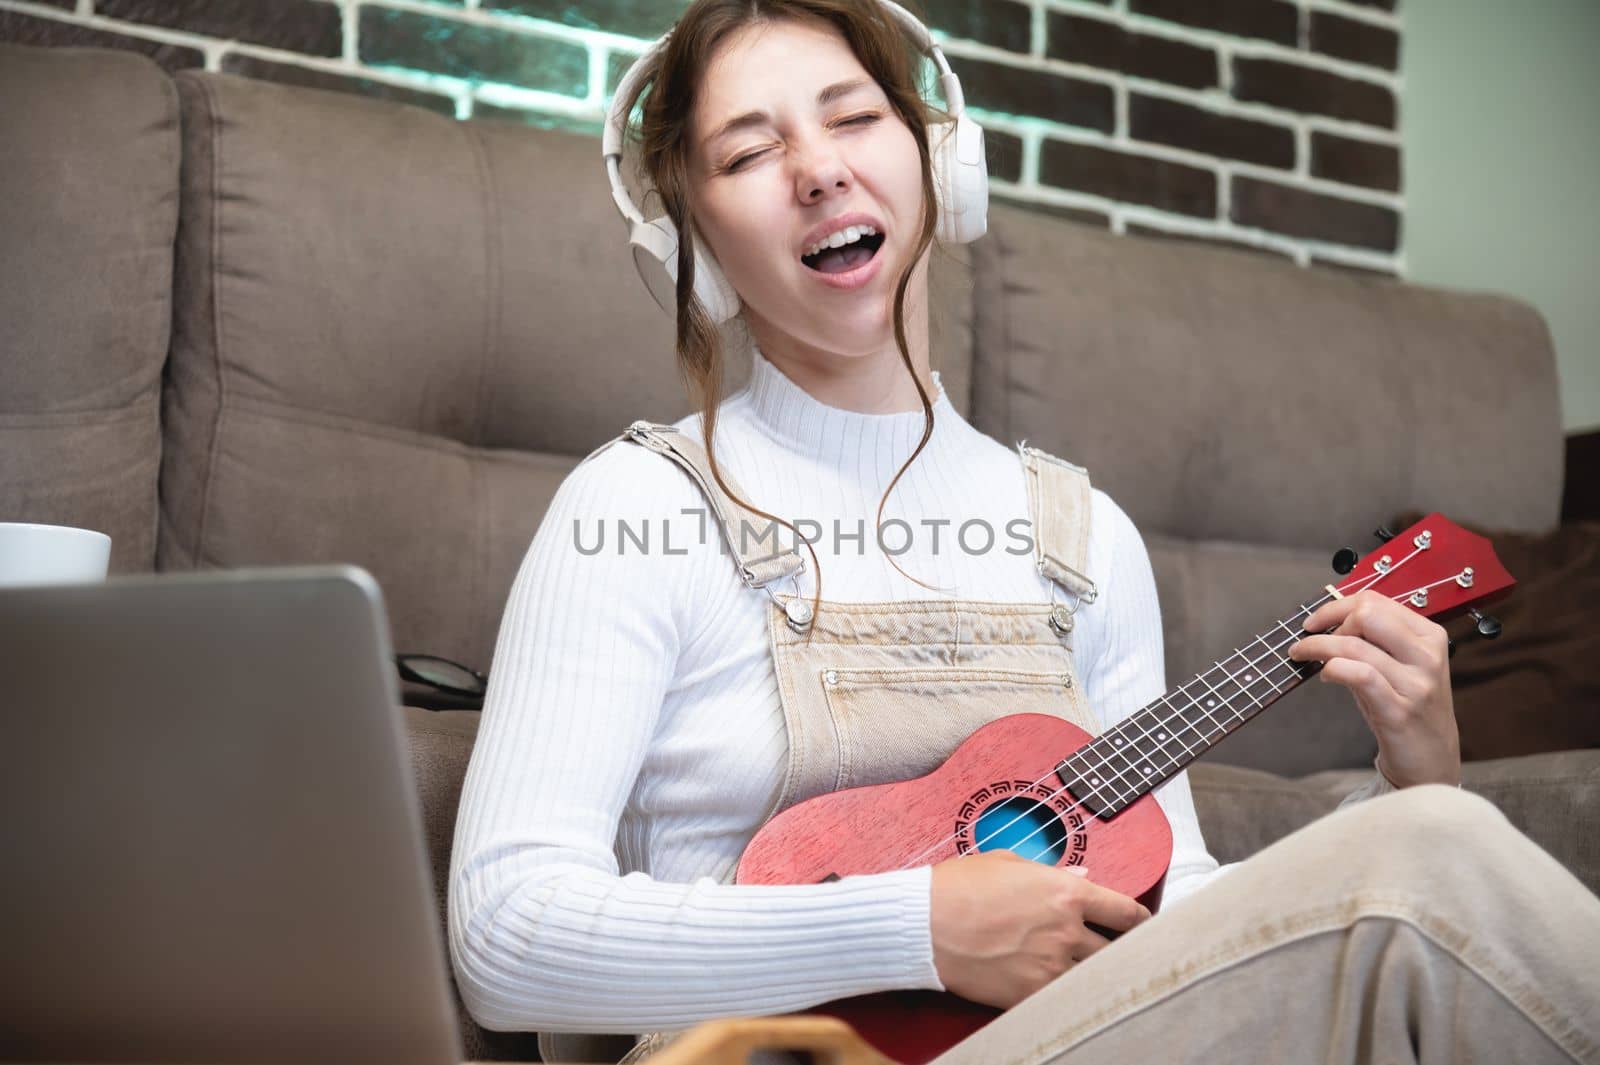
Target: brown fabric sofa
[(243, 323)]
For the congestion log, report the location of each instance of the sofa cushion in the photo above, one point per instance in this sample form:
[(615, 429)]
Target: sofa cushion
[(1553, 798), (1221, 395), (89, 158), (364, 364)]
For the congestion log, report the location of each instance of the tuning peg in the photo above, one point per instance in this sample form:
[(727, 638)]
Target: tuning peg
[(1344, 560), (1488, 627), (1383, 534)]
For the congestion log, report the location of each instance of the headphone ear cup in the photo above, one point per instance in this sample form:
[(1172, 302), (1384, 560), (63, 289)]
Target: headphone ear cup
[(960, 180), (711, 285), (655, 254)]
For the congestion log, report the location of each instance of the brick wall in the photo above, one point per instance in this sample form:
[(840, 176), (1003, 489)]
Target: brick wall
[(1266, 124)]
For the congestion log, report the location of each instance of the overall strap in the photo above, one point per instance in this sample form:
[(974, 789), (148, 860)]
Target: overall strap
[(1060, 505), (752, 539)]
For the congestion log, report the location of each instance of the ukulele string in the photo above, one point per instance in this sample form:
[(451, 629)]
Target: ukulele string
[(1262, 675), (1355, 586), (1452, 579), (1110, 782), (1187, 725), (1094, 793)]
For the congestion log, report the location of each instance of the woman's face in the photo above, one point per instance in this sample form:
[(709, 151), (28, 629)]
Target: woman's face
[(793, 142)]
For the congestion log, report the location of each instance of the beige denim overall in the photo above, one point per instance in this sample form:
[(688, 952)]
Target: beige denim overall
[(1419, 926), (877, 692)]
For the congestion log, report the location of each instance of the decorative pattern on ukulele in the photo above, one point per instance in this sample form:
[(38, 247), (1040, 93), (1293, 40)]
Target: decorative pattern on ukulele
[(1066, 811)]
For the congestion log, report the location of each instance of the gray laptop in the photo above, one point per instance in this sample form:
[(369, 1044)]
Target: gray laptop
[(210, 844)]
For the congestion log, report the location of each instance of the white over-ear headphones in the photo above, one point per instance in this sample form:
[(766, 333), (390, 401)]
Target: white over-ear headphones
[(960, 179)]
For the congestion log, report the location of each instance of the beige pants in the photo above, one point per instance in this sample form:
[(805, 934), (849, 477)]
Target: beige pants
[(1416, 927)]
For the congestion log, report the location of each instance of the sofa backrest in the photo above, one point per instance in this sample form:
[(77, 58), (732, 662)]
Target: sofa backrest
[(89, 155)]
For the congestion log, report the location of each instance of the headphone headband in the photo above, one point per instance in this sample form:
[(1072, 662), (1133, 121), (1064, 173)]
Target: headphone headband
[(617, 118)]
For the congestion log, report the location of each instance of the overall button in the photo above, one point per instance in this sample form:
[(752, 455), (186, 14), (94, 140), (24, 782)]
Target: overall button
[(799, 613), (1061, 619), (831, 677)]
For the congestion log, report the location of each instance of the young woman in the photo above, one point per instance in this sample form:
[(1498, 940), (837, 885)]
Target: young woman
[(651, 708)]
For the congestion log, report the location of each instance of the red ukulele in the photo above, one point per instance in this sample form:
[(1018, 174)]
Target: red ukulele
[(1037, 785)]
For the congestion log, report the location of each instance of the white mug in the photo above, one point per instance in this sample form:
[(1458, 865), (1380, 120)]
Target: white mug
[(51, 554)]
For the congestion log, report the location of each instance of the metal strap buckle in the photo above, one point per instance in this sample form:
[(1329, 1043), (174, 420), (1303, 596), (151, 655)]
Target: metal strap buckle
[(798, 608), (641, 432), (750, 576)]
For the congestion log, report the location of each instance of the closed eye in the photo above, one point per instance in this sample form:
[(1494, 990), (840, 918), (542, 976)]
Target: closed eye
[(743, 159), (854, 120)]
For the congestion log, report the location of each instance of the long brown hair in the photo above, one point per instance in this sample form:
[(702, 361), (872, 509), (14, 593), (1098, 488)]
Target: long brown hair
[(890, 56)]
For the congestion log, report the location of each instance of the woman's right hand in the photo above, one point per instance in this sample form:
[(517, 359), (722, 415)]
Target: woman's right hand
[(1004, 926)]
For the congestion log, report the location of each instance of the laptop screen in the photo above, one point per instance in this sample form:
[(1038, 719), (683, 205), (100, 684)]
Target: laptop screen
[(212, 842)]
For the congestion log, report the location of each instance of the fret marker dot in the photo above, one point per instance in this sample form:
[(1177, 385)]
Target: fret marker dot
[(1247, 676), (1147, 770), (1161, 735), (1119, 741), (1094, 780), (1211, 702)]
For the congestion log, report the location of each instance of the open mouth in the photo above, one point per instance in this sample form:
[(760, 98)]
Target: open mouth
[(851, 255)]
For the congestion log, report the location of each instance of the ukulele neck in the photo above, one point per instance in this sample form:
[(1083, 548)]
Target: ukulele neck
[(1156, 743)]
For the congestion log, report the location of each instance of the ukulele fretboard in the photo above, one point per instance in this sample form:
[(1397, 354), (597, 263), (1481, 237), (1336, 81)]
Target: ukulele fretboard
[(1155, 743)]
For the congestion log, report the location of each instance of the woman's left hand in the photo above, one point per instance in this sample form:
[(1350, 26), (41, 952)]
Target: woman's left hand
[(1396, 663)]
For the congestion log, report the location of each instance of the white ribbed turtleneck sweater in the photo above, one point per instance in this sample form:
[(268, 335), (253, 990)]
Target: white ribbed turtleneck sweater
[(632, 736)]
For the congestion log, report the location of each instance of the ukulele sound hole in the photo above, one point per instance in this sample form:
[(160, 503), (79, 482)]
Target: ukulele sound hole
[(1022, 825)]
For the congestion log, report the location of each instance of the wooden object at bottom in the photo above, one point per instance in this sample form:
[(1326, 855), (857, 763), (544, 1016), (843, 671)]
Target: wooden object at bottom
[(731, 1041)]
